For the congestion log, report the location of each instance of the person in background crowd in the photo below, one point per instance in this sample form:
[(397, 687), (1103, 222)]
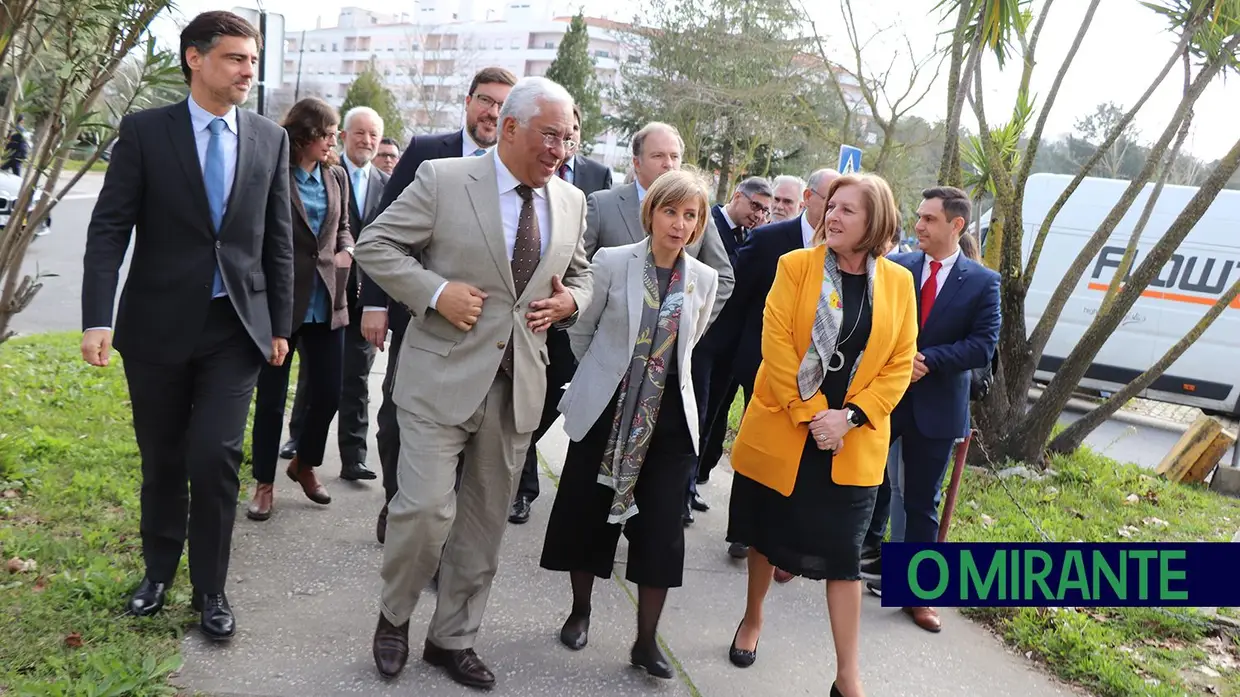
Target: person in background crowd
[(632, 417), (756, 262), (486, 280), (387, 155), (322, 255), (588, 176), (748, 209), (363, 129), (17, 148), (208, 301), (487, 92), (813, 443), (786, 199), (959, 328)]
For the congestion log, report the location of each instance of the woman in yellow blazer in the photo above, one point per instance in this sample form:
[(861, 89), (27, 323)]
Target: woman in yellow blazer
[(839, 335)]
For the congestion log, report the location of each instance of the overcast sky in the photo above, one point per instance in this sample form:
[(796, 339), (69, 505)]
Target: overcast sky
[(1124, 50)]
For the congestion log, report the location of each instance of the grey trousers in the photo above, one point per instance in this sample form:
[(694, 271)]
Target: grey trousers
[(428, 519)]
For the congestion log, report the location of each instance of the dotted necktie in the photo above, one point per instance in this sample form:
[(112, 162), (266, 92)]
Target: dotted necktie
[(930, 290), (526, 253)]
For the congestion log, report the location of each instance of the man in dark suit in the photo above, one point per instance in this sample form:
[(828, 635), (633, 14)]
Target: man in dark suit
[(714, 383), (589, 176), (487, 92), (362, 131), (958, 308), (17, 149), (208, 299)]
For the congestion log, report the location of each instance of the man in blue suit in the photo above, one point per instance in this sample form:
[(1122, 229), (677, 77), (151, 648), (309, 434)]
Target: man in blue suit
[(958, 309)]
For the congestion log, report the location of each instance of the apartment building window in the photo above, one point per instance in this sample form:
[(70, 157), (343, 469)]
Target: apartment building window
[(334, 49), (516, 43), (602, 54), (549, 44)]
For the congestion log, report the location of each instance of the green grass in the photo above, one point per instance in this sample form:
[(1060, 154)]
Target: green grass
[(69, 482), (1113, 652)]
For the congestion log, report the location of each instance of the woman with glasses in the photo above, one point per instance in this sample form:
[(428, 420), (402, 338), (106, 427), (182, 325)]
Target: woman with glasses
[(322, 255)]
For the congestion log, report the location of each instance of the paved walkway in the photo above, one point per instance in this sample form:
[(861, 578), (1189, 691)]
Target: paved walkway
[(305, 586)]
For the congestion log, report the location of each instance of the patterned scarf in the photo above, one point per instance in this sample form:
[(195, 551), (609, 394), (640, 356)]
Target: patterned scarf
[(821, 357), (641, 390)]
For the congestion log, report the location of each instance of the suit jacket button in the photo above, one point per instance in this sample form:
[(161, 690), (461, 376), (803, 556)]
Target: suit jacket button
[(499, 345)]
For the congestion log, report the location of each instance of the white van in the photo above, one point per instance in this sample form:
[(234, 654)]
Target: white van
[(1207, 375)]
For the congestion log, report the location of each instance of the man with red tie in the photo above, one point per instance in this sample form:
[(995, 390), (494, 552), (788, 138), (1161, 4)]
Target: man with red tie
[(958, 309)]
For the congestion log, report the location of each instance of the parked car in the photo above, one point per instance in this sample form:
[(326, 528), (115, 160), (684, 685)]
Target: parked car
[(10, 185)]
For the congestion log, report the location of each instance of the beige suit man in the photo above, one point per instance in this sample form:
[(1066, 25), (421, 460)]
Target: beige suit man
[(472, 372)]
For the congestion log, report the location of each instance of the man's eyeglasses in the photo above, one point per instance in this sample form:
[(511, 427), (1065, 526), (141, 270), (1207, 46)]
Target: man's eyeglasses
[(755, 206), (553, 139), (386, 156), (488, 102)]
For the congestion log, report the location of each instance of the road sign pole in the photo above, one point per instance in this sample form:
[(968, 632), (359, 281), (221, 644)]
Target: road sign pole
[(262, 65)]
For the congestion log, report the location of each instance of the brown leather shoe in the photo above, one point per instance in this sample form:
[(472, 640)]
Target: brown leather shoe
[(260, 502), (463, 666), (391, 647), (309, 482), (381, 525), (925, 617), (782, 576)]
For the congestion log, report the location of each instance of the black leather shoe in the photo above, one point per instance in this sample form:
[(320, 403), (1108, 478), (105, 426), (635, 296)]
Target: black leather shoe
[(463, 666), (390, 647), (217, 620), (651, 658), (737, 550), (288, 450), (740, 657), (575, 633), (148, 599), (699, 504), (520, 513), (688, 518), (381, 525), (356, 471)]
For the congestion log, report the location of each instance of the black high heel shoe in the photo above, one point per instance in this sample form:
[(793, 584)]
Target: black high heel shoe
[(835, 691), (743, 659)]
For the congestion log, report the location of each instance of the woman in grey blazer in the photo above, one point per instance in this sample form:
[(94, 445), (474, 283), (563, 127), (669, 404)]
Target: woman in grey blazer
[(322, 246), (632, 419)]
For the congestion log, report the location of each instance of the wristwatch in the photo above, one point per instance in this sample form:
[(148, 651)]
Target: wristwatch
[(854, 417)]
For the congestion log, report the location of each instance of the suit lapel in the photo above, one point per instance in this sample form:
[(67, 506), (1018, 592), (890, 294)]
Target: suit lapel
[(181, 133), (636, 291), (245, 161), (374, 194), (294, 194), (333, 213), (631, 212), (688, 314), (484, 197)]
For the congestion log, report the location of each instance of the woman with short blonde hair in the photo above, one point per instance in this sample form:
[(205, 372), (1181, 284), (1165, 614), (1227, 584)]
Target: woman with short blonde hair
[(838, 339), (631, 415)]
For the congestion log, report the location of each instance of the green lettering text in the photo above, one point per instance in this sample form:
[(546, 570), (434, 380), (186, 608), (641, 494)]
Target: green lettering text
[(1037, 576), (1072, 576), (944, 576), (970, 578), (1166, 575)]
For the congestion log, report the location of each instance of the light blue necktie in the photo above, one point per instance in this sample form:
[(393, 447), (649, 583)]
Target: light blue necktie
[(480, 152), (213, 178), (358, 194)]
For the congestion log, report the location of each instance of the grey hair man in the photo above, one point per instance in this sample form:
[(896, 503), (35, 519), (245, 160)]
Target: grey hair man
[(786, 197), (487, 253)]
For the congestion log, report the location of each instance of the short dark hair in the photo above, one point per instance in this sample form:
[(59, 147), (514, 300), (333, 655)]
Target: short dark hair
[(204, 32), (956, 203), (389, 140), (308, 121), (492, 76)]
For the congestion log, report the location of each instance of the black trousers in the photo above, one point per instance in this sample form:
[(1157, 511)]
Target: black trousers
[(387, 436), (559, 372), (353, 415), (721, 392), (189, 421), (322, 350)]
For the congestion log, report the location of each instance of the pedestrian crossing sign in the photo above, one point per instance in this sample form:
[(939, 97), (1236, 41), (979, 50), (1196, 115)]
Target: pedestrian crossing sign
[(850, 159)]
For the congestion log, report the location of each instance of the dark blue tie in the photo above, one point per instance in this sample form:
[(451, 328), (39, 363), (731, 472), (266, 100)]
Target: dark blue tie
[(213, 178)]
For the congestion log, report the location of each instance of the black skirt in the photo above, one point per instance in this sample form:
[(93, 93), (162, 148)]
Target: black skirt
[(579, 538)]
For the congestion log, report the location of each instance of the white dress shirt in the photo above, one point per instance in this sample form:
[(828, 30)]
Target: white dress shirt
[(468, 146), (807, 232), (944, 271), (510, 212)]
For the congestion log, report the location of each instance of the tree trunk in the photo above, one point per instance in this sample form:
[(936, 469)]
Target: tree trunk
[(1071, 438), (949, 168)]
